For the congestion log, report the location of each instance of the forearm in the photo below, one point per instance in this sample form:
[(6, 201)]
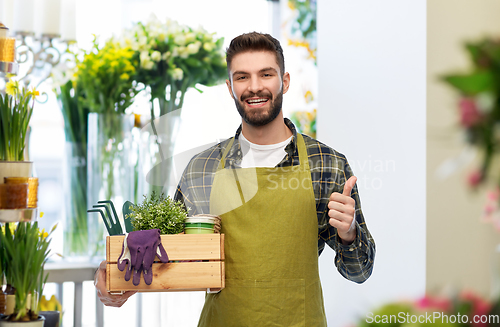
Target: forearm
[(355, 261)]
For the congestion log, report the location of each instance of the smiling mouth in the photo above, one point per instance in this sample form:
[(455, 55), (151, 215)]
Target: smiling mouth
[(256, 102)]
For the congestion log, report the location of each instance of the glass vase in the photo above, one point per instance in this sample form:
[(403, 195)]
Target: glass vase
[(156, 154), (75, 199), (112, 161)]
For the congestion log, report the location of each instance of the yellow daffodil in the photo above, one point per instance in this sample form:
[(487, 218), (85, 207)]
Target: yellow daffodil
[(12, 228), (137, 120), (49, 305), (308, 96), (43, 234), (12, 87), (124, 76), (34, 92)]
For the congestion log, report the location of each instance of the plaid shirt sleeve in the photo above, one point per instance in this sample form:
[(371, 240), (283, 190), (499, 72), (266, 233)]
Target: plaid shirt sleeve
[(354, 261)]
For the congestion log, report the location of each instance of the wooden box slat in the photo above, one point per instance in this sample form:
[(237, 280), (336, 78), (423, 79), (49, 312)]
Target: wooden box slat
[(174, 276), (181, 275), (178, 247)]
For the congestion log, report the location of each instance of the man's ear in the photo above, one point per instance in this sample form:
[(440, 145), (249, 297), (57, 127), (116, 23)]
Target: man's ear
[(286, 82), (228, 83)]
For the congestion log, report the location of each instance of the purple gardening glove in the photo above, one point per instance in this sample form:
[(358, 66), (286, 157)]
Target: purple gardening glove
[(139, 251)]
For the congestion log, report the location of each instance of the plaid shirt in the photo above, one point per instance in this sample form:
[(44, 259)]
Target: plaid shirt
[(329, 172)]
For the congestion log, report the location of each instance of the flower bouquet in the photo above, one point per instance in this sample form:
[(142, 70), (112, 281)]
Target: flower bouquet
[(479, 108), (171, 59), (104, 80)]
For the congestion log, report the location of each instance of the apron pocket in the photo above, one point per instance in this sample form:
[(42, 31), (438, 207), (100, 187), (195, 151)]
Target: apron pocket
[(279, 302)]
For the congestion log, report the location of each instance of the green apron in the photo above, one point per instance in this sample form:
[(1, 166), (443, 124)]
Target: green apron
[(271, 247)]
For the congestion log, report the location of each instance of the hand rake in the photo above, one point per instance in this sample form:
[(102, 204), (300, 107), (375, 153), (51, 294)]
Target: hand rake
[(110, 218)]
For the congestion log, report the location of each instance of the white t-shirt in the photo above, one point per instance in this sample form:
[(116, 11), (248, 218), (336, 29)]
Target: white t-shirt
[(257, 155)]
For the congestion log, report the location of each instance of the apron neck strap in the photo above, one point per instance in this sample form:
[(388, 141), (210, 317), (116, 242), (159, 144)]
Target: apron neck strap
[(301, 145), (303, 158), (223, 159)]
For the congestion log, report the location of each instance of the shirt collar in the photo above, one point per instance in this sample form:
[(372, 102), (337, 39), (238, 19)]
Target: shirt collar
[(235, 154)]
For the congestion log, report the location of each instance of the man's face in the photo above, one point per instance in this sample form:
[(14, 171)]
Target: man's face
[(256, 86)]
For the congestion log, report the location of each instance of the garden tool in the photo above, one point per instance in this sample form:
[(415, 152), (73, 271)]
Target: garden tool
[(112, 225), (139, 251), (127, 209)]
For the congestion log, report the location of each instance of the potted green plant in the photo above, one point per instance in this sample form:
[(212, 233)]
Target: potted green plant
[(25, 252), (159, 212), (16, 108)]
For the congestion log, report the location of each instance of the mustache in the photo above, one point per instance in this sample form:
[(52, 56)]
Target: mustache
[(261, 94)]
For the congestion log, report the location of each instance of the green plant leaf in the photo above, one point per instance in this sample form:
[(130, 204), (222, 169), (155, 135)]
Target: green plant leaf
[(472, 84)]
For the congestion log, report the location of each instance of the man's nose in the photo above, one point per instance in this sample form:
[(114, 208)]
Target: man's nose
[(255, 85)]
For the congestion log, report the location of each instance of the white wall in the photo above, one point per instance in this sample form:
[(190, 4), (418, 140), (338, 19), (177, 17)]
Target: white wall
[(372, 102)]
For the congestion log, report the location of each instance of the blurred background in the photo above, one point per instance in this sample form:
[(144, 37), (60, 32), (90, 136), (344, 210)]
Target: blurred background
[(384, 82)]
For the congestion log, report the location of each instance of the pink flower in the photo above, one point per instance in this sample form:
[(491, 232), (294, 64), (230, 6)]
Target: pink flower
[(480, 306), (469, 113), (435, 303), (475, 178), (491, 212)]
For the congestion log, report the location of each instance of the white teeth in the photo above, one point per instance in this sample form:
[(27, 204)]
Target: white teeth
[(256, 101)]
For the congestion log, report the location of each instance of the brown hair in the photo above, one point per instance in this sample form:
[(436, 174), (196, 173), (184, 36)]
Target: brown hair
[(255, 42)]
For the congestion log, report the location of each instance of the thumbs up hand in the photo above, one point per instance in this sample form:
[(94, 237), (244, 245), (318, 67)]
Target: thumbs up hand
[(342, 212)]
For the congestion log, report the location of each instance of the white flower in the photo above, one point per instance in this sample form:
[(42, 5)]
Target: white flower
[(200, 30), (144, 56), (182, 52), (146, 62), (175, 52), (143, 40), (190, 37), (209, 46), (194, 47), (208, 37), (177, 74), (180, 39), (148, 65), (166, 55), (485, 102), (156, 56), (162, 36), (132, 44)]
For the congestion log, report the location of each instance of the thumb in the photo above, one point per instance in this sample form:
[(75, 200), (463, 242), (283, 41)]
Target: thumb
[(348, 186)]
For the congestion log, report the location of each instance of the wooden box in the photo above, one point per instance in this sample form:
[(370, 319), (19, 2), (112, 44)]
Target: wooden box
[(204, 271)]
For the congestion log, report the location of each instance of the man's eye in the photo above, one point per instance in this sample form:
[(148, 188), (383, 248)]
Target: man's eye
[(268, 75), (240, 78)]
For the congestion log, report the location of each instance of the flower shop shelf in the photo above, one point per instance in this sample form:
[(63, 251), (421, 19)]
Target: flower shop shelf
[(196, 263), (15, 215)]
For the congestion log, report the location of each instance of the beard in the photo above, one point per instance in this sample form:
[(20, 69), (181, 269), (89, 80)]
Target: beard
[(257, 117)]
